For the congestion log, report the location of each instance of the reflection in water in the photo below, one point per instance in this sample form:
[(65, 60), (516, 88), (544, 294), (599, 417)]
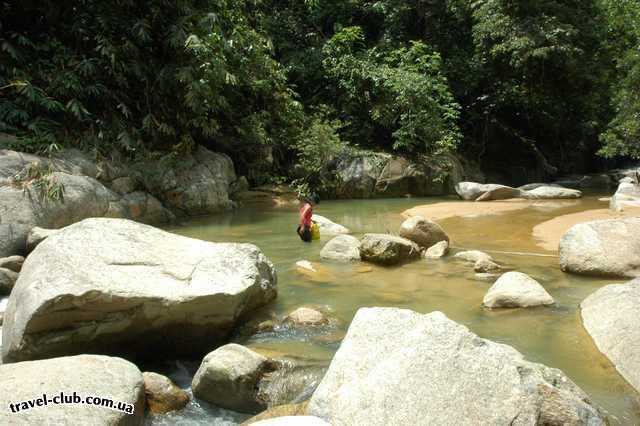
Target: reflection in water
[(553, 336)]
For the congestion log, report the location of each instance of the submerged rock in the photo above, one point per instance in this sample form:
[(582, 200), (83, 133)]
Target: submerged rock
[(473, 256), (162, 394), (304, 316), (112, 285), (396, 366), (609, 248), (85, 376), (516, 290), (422, 231), (229, 377), (343, 248), (484, 266), (327, 226), (611, 317), (387, 249), (437, 250), (287, 410)]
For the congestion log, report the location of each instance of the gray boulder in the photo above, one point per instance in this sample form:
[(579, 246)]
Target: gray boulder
[(422, 231), (13, 239), (327, 226), (343, 248), (552, 192), (124, 185), (85, 376), (8, 280), (141, 207), (387, 249), (612, 318), (437, 251), (471, 191), (627, 195), (305, 317), (516, 290), (501, 193), (13, 263), (37, 235), (396, 366), (124, 286), (608, 248), (531, 186), (484, 266), (357, 176), (196, 184), (229, 377)]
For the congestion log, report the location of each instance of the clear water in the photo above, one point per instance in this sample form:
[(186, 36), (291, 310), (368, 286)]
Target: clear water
[(553, 336)]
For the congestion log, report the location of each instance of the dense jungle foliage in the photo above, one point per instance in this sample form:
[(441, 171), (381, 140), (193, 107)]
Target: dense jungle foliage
[(542, 85)]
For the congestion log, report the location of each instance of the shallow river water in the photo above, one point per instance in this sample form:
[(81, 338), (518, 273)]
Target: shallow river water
[(553, 336)]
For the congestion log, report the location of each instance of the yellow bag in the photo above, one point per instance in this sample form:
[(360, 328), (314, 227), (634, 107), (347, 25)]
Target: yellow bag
[(315, 231)]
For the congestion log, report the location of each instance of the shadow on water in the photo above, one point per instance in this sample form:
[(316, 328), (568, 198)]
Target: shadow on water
[(553, 336)]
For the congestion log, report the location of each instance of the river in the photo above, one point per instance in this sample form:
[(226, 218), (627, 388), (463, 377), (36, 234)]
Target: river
[(553, 336)]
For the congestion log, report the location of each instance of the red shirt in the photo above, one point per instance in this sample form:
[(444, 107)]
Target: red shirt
[(305, 214)]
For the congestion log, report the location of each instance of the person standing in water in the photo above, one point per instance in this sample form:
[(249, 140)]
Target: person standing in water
[(306, 212)]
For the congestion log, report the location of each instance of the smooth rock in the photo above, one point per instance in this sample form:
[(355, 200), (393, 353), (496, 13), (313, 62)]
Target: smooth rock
[(287, 410), (162, 394), (124, 185), (327, 226), (387, 249), (13, 263), (229, 377), (37, 235), (531, 186), (611, 317), (85, 375), (437, 251), (422, 231), (115, 286), (487, 276), (608, 248), (516, 290), (627, 196), (305, 316), (343, 248), (8, 280), (501, 193), (398, 367), (552, 192), (198, 184), (141, 207)]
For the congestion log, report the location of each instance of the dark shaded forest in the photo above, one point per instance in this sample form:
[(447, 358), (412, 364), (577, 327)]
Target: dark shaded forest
[(540, 87)]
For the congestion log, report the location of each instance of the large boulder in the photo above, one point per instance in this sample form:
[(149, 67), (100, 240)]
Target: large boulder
[(13, 239), (229, 377), (401, 177), (608, 248), (396, 366), (327, 226), (422, 231), (13, 263), (343, 248), (387, 249), (516, 290), (551, 192), (627, 196), (471, 191), (611, 317), (197, 183), (8, 280), (357, 176), (112, 285), (86, 377)]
